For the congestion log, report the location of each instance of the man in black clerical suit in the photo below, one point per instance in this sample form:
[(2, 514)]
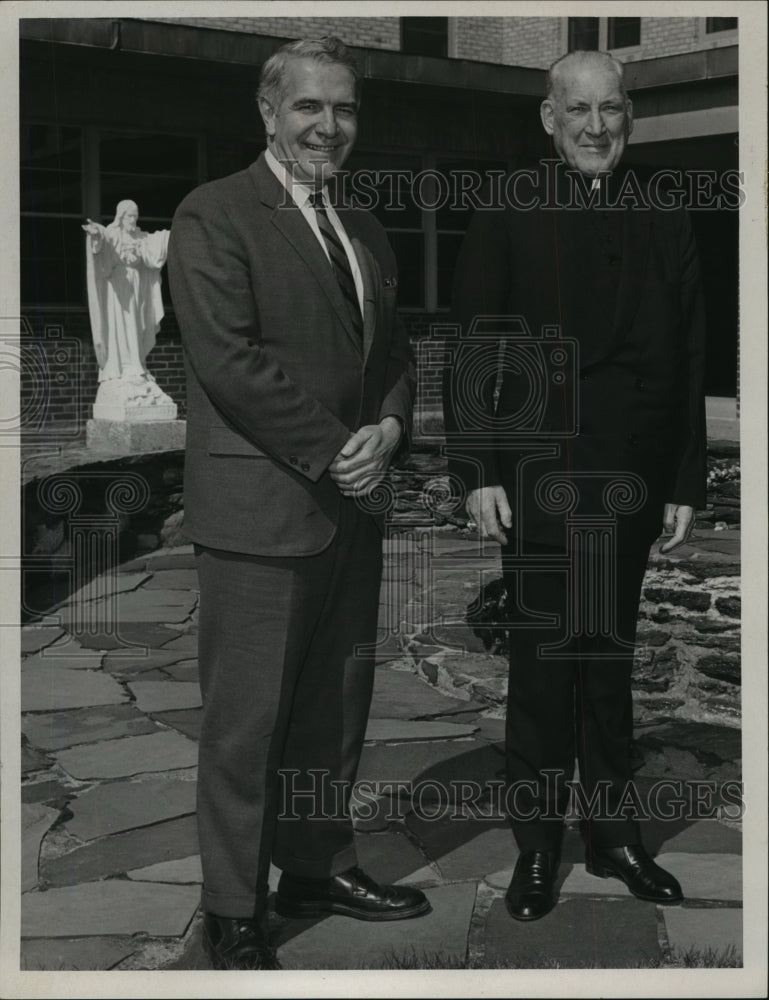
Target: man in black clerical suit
[(590, 445)]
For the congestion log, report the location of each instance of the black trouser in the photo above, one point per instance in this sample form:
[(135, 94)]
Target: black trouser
[(576, 701)]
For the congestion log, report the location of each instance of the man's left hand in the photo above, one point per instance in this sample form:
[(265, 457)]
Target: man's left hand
[(678, 521), (361, 462)]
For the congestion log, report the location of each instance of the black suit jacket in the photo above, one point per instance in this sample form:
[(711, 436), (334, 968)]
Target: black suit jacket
[(588, 387), (277, 378)]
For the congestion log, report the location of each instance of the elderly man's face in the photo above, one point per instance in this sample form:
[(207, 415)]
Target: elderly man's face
[(315, 124), (588, 117)]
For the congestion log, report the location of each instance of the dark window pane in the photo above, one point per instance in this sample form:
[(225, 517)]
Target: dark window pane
[(467, 184), (720, 24), (383, 184), (52, 261), (51, 146), (448, 248), (57, 191), (583, 33), (409, 249), (623, 31), (425, 36), (148, 153), (155, 196)]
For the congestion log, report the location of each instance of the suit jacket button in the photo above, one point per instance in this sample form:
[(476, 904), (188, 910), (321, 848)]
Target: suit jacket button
[(632, 440), (293, 459), (250, 343), (305, 466), (640, 384)]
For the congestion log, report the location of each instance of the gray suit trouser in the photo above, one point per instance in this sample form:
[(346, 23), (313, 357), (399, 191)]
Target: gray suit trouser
[(286, 694)]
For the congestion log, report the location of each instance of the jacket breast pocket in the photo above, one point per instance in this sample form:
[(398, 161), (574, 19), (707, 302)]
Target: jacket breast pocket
[(223, 441)]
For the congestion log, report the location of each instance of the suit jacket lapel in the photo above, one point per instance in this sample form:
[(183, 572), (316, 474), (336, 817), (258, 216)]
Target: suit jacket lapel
[(369, 270), (288, 220)]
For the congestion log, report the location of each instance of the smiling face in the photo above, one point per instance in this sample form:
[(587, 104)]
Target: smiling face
[(313, 128), (588, 115)]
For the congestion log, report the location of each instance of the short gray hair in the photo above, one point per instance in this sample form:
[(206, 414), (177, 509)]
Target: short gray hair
[(328, 50), (584, 55)]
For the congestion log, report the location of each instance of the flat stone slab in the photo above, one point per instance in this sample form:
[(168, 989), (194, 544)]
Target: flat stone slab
[(172, 579), (399, 694), (36, 821), (186, 643), (124, 805), (185, 670), (131, 634), (51, 792), (431, 772), (716, 929), (33, 760), (578, 933), (117, 662), (389, 857), (80, 954), (181, 558), (132, 755), (165, 696), (706, 837), (182, 871), (107, 583), (706, 876), (46, 689), (122, 852), (465, 848), (402, 731), (340, 943), (36, 637), (73, 657), (114, 906), (162, 606), (187, 721), (57, 730)]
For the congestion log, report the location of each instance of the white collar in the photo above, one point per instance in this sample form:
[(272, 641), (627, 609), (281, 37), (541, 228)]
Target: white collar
[(298, 191)]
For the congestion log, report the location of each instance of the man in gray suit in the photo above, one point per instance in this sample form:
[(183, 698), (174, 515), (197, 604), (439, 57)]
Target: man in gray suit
[(300, 388)]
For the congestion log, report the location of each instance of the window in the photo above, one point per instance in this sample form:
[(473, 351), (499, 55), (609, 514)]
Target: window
[(52, 242), (61, 184), (425, 204), (583, 33), (623, 32), (588, 33), (425, 36), (713, 24)]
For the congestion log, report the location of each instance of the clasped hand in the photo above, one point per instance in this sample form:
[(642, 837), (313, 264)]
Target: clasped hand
[(365, 457)]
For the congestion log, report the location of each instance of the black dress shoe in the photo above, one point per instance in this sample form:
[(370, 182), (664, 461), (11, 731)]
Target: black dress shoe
[(530, 894), (351, 893), (641, 875), (237, 944)]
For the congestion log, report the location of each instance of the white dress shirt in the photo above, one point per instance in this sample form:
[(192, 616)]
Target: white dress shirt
[(300, 195)]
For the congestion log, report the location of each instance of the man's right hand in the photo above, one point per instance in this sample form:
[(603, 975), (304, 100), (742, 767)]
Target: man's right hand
[(489, 508)]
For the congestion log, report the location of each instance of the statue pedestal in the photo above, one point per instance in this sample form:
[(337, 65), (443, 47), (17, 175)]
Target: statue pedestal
[(129, 437), (135, 399)]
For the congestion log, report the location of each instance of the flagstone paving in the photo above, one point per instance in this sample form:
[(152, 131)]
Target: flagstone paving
[(109, 839)]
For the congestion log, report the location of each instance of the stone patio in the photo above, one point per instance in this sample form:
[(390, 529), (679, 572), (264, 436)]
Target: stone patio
[(110, 869)]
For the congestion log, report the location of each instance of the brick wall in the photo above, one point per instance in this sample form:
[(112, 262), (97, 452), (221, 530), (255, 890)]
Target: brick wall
[(57, 392), (479, 38), (532, 41), (370, 32)]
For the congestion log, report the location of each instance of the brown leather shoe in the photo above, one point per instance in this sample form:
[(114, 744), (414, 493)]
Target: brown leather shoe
[(635, 868), (237, 944), (531, 894), (351, 893)]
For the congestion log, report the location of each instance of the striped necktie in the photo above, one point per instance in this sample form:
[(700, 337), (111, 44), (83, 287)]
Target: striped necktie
[(340, 264)]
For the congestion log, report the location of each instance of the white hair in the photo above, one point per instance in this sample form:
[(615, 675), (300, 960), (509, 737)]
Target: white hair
[(584, 56)]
